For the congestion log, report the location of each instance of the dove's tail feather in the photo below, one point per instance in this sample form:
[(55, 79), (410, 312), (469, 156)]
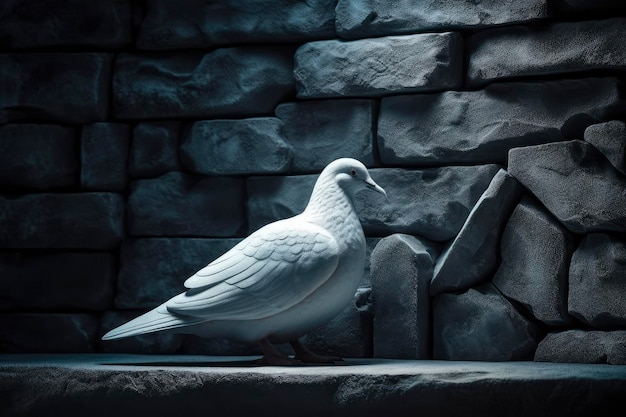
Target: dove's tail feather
[(152, 321)]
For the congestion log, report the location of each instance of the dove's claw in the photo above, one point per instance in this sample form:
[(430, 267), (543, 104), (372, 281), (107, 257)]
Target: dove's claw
[(273, 357), (305, 355)]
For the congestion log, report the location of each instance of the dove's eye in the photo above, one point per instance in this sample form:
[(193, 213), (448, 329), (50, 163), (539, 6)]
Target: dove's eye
[(353, 172)]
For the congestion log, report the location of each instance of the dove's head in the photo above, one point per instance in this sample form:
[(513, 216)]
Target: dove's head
[(352, 176)]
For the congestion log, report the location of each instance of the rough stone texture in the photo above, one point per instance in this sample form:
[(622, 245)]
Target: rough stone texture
[(321, 131), (236, 147), (558, 48), (150, 343), (480, 324), (206, 23), (75, 88), (48, 333), (472, 127), (68, 280), (370, 18), (597, 281), (38, 156), (154, 149), (610, 139), (581, 346), (178, 204), (40, 23), (473, 255), (536, 251), (379, 66), (226, 82), (575, 182), (432, 203), (104, 157), (401, 269), (586, 6), (81, 221), (153, 270)]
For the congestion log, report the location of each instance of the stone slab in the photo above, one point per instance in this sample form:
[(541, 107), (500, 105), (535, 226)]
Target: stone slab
[(610, 139), (104, 156), (583, 346), (154, 149)]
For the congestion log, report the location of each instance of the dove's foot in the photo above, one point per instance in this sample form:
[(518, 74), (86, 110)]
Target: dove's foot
[(305, 355), (271, 356)]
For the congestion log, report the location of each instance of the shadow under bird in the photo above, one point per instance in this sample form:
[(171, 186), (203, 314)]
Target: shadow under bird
[(282, 281)]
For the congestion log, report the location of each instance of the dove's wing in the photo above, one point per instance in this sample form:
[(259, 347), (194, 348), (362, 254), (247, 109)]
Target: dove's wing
[(273, 269)]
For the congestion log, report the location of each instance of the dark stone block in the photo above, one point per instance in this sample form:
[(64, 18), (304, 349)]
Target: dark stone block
[(178, 204), (154, 149), (70, 221), (583, 346), (58, 87), (48, 333), (38, 156), (610, 139), (70, 280), (104, 152)]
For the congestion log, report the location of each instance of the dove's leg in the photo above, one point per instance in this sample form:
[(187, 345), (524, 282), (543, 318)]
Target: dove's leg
[(305, 355), (271, 356)]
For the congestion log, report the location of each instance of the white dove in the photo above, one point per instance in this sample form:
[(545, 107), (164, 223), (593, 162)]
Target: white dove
[(280, 282)]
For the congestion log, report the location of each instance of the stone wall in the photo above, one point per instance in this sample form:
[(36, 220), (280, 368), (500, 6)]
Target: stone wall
[(139, 140)]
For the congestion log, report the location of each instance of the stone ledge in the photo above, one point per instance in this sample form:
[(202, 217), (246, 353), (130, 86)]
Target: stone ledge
[(121, 385)]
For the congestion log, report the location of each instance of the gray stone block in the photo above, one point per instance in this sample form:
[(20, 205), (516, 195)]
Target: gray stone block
[(68, 221), (379, 66), (597, 281), (473, 127), (555, 49), (583, 346), (473, 255), (177, 204), (204, 24), (321, 131), (104, 157), (154, 149), (153, 270), (63, 281), (610, 139), (75, 88), (237, 147), (401, 268), (481, 324), (536, 252), (432, 203), (576, 184), (245, 81), (370, 18), (38, 156), (49, 333)]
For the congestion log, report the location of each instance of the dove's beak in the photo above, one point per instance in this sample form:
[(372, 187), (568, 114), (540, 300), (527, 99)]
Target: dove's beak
[(375, 187)]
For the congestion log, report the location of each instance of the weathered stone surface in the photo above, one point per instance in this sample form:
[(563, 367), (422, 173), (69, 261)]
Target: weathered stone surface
[(237, 147), (154, 149), (432, 203), (38, 156), (597, 281), (321, 131), (40, 23), (558, 48), (104, 157), (203, 24), (379, 66), (370, 18), (69, 87), (575, 182), (68, 280), (226, 82), (583, 346), (81, 221), (149, 343), (480, 324), (177, 204), (586, 6), (610, 139), (49, 333), (401, 269), (152, 270), (536, 251), (481, 126), (473, 255)]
